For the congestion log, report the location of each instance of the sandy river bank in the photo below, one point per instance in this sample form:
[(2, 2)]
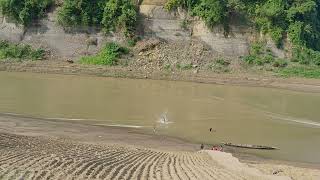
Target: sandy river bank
[(32, 148)]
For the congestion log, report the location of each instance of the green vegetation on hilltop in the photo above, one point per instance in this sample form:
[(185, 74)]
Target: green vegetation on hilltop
[(107, 56), (111, 15), (25, 11), (81, 12), (299, 20), (19, 52)]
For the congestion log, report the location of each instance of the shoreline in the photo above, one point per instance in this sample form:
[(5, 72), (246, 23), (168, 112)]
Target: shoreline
[(84, 132), (61, 139), (95, 134), (207, 77)]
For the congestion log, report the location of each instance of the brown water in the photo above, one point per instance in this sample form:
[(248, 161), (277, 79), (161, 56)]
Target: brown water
[(286, 119)]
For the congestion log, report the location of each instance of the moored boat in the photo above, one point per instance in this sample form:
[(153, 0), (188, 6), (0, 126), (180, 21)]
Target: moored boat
[(250, 146)]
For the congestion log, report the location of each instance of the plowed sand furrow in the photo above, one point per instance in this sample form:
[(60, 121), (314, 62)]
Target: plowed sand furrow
[(118, 162), (120, 166), (5, 161), (179, 168), (145, 170), (21, 161), (35, 161), (78, 162), (129, 169), (40, 176), (37, 164), (6, 153), (159, 167), (85, 166), (135, 172), (25, 175), (98, 167), (188, 171), (58, 168), (41, 171), (35, 158), (13, 174), (166, 173), (104, 168), (5, 173), (154, 167), (199, 165), (93, 162), (196, 170), (10, 166), (99, 162)]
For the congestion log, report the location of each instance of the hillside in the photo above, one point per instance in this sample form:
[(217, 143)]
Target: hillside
[(184, 37)]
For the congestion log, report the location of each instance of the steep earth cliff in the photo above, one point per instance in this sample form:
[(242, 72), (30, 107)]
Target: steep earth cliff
[(155, 22)]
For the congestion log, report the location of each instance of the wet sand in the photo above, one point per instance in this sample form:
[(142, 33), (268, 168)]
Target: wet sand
[(33, 148)]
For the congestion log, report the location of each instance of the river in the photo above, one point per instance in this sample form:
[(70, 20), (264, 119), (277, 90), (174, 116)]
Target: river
[(250, 115)]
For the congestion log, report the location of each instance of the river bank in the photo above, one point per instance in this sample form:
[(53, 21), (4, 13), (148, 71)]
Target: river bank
[(32, 147), (130, 137), (208, 77)]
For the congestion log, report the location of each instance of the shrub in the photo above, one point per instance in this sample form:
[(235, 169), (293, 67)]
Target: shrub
[(259, 54), (120, 14), (297, 19), (25, 11), (132, 42), (268, 58), (19, 52), (305, 55), (185, 24), (222, 62), (111, 15), (257, 48), (108, 55), (81, 13), (250, 59), (280, 63), (211, 11), (184, 66)]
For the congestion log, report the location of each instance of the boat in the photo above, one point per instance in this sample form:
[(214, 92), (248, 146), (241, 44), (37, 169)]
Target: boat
[(250, 146)]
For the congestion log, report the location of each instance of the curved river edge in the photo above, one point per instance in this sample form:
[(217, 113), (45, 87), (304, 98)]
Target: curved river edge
[(58, 131), (208, 77), (127, 136)]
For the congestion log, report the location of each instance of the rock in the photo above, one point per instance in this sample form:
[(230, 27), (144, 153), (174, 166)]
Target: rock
[(147, 44), (70, 61)]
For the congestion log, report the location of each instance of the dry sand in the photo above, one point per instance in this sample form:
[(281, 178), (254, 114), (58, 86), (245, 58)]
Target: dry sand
[(49, 149)]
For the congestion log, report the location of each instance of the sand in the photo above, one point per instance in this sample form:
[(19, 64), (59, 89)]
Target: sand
[(33, 148)]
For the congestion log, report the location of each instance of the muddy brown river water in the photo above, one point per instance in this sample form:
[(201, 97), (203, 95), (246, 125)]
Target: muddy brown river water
[(250, 115)]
